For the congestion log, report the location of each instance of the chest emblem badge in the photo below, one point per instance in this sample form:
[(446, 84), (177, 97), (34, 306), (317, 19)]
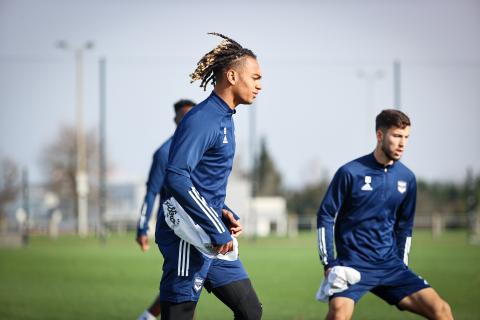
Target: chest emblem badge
[(401, 186), (198, 283), (367, 186), (225, 135)]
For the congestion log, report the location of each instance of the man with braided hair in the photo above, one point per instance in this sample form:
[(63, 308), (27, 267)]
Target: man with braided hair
[(200, 161)]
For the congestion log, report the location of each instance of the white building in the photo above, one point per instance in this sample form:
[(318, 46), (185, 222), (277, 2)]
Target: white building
[(260, 216)]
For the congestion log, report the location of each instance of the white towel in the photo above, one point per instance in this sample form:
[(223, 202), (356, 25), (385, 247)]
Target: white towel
[(338, 280), (185, 228)]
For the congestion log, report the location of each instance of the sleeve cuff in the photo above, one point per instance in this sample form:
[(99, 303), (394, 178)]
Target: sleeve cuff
[(233, 213), (220, 239), (141, 232)]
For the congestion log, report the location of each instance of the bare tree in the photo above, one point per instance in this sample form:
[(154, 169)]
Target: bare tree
[(58, 162), (9, 187)]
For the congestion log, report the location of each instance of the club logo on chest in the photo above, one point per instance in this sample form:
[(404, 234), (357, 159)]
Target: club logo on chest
[(225, 135), (367, 186), (401, 186)]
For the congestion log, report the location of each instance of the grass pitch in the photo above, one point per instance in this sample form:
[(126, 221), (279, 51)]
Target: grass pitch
[(72, 278)]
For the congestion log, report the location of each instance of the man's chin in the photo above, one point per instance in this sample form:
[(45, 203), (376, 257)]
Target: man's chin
[(396, 157), (393, 156)]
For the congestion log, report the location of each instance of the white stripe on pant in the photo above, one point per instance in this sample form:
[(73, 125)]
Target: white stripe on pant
[(183, 258)]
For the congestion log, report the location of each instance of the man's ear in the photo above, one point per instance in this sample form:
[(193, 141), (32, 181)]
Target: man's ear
[(231, 76), (379, 135)]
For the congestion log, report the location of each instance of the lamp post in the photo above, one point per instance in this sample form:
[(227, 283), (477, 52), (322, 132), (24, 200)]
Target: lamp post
[(397, 84), (370, 79), (81, 176), (252, 217)]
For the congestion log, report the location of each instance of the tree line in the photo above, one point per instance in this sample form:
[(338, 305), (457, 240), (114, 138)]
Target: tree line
[(433, 197), (58, 164)]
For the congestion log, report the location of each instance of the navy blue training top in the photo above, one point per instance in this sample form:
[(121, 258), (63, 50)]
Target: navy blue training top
[(200, 161), (372, 208), (155, 181)]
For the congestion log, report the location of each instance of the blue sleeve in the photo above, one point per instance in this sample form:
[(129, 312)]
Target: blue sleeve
[(330, 206), (188, 146), (234, 214), (225, 220), (154, 185), (404, 223)]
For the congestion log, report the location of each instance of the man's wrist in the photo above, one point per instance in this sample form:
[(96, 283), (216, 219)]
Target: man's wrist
[(330, 265)]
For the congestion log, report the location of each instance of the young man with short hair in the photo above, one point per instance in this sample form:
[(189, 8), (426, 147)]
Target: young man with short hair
[(371, 204)]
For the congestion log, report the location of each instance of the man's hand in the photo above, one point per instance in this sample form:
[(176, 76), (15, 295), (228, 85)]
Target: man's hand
[(224, 248), (142, 240), (234, 226)]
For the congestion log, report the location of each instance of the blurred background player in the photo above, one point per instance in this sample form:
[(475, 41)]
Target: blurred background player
[(200, 161), (154, 187), (371, 202)]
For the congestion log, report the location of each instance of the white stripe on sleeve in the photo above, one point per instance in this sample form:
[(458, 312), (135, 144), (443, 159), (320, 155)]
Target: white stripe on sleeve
[(322, 247), (143, 212), (209, 209), (213, 217), (406, 252)]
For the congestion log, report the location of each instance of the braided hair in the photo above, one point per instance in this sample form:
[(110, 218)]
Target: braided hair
[(221, 57)]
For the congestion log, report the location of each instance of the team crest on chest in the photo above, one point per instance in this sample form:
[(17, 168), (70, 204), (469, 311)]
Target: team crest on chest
[(225, 135), (367, 186), (401, 186)]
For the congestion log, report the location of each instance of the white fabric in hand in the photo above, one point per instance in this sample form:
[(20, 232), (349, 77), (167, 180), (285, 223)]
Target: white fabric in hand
[(338, 280), (185, 228)]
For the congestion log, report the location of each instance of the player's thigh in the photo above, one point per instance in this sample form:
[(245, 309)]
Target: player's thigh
[(184, 272), (399, 282), (223, 272), (427, 303), (241, 298), (340, 308)]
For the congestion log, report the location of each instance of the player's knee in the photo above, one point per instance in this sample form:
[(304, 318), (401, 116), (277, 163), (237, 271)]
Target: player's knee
[(250, 308), (337, 314), (442, 310), (253, 312), (339, 309)]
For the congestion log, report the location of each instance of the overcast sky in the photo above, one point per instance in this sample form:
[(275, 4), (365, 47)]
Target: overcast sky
[(315, 111)]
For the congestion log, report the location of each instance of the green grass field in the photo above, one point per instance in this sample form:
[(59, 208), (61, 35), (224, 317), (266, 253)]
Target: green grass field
[(71, 278)]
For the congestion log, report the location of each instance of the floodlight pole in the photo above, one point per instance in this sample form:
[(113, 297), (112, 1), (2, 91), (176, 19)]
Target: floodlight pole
[(397, 84), (370, 79), (81, 176), (253, 174), (103, 158), (26, 207)]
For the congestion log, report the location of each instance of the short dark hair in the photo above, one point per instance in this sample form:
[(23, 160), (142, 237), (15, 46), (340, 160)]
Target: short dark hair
[(183, 103), (391, 118)]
